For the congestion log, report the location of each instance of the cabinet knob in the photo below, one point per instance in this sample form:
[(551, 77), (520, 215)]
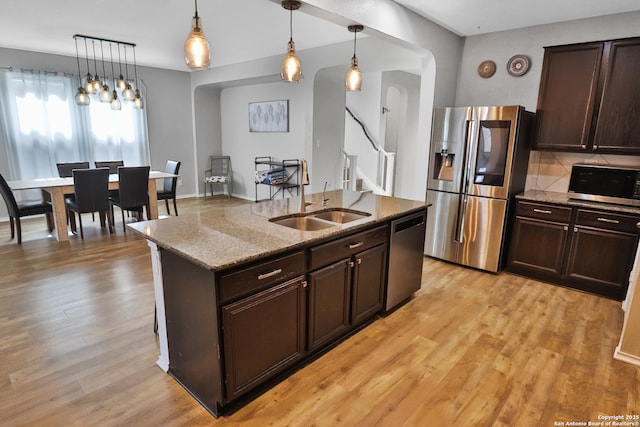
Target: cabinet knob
[(351, 264), (304, 283), (359, 261), (638, 224)]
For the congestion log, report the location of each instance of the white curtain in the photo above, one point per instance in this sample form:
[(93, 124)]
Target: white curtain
[(42, 125)]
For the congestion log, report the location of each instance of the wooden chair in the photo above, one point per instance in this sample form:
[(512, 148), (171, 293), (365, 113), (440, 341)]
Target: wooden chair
[(91, 189), (169, 189), (219, 172), (18, 210), (112, 165), (133, 192)]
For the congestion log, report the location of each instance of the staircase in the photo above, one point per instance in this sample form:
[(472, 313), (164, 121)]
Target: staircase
[(353, 178)]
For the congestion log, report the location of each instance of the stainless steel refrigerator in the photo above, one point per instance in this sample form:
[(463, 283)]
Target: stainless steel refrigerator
[(477, 163)]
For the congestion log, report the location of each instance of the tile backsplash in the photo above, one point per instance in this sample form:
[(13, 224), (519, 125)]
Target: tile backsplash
[(550, 171)]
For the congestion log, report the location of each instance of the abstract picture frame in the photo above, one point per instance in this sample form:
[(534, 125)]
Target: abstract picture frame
[(269, 116)]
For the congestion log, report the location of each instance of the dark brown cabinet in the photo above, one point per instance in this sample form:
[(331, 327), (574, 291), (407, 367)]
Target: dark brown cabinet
[(587, 249), (348, 291), (588, 98), (270, 325)]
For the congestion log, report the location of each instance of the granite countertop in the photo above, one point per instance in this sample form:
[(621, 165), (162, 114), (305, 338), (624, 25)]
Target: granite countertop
[(566, 199), (224, 237)]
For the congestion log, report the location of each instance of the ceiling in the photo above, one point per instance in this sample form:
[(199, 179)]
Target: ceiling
[(243, 30)]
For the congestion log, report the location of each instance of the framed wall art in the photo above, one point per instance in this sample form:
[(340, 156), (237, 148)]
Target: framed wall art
[(269, 116)]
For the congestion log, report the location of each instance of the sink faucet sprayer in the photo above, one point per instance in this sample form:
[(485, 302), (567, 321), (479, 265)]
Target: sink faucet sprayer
[(324, 200)]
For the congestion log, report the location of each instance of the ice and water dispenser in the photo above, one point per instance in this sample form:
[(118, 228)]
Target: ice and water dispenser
[(443, 165)]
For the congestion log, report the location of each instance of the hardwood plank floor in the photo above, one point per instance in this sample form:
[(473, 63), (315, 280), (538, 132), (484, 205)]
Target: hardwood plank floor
[(472, 348)]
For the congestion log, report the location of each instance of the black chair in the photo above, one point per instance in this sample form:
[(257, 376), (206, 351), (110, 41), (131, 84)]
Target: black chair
[(65, 170), (133, 192), (112, 165), (18, 210), (169, 190), (91, 188)]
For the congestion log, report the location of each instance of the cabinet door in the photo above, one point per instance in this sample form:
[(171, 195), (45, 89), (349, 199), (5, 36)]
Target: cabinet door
[(618, 127), (263, 334), (537, 247), (600, 261), (329, 296), (368, 283), (567, 96)]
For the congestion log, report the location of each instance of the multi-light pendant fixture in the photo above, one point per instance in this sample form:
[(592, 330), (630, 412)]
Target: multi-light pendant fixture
[(197, 53), (291, 70), (353, 80), (96, 85)]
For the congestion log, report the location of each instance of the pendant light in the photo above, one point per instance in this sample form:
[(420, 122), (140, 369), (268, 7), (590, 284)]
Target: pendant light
[(353, 80), (88, 85), (115, 102), (122, 83), (128, 93), (138, 103), (197, 53), (96, 84), (105, 94), (291, 68), (81, 98)]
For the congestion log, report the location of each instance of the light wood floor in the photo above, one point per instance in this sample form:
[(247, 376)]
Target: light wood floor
[(471, 349)]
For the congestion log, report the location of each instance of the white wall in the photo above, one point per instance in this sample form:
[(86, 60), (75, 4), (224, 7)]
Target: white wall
[(243, 146)]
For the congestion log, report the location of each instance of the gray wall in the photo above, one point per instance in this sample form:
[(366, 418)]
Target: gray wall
[(168, 105)]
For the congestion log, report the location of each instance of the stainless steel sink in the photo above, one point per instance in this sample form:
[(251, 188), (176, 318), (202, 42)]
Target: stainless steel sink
[(318, 220), (341, 215), (304, 223)]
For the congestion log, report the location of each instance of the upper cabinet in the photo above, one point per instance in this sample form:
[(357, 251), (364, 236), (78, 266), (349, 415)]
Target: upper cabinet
[(588, 100)]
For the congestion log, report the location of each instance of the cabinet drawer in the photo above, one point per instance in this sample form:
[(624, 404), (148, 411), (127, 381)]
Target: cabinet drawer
[(259, 276), (608, 220), (327, 253), (543, 211)]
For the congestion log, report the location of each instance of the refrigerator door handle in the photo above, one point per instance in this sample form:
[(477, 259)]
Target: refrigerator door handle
[(462, 211), (469, 146)]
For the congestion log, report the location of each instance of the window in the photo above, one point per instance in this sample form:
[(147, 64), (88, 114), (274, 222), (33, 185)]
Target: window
[(42, 126)]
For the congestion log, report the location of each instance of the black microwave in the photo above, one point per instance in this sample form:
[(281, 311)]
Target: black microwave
[(609, 184)]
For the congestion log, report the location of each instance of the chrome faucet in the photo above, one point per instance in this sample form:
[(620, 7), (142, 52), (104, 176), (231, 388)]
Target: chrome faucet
[(324, 200), (304, 181)]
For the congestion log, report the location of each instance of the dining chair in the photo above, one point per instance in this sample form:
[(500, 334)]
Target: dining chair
[(65, 170), (112, 165), (133, 191), (91, 188), (219, 172), (18, 210), (169, 189)]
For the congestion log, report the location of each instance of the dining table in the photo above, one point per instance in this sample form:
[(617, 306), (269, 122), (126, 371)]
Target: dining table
[(58, 187)]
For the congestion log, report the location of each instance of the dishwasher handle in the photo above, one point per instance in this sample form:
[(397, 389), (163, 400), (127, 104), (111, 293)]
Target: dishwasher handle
[(409, 223)]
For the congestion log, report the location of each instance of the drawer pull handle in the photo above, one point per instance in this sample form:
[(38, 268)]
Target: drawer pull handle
[(269, 274), (542, 211), (610, 221), (355, 245)]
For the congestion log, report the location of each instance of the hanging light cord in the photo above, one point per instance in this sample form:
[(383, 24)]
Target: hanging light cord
[(113, 74), (355, 33), (86, 53), (135, 67), (104, 72), (291, 24), (78, 60)]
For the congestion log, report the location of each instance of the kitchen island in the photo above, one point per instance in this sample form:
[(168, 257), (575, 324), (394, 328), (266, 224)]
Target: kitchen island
[(245, 295)]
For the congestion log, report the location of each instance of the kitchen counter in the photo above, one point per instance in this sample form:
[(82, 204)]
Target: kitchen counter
[(221, 238), (566, 199), (217, 274)]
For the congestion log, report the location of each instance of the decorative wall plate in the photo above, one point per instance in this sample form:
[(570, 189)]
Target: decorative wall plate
[(486, 69), (518, 65)]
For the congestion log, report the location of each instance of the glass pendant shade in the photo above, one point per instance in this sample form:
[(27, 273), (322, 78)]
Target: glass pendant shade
[(128, 94), (354, 76), (122, 83), (138, 103), (197, 53), (105, 94), (115, 102), (291, 69), (97, 84), (88, 85), (82, 98)]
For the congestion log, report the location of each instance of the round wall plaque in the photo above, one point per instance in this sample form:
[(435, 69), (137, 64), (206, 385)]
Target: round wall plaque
[(486, 69), (518, 65)]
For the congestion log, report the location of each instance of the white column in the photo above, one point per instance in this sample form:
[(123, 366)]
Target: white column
[(156, 266)]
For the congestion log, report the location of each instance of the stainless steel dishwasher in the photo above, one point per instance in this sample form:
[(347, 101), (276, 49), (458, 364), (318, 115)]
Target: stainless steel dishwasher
[(406, 253)]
